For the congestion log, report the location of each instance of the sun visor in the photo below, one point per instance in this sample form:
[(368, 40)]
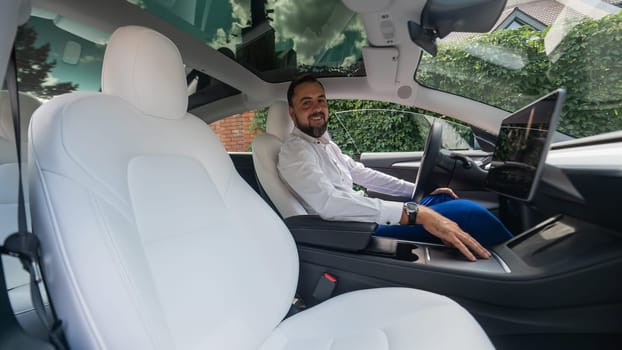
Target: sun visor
[(381, 64), (441, 17)]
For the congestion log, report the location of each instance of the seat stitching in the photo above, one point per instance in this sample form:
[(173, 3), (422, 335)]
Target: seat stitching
[(386, 338), (130, 286), (331, 342), (75, 160), (58, 242)]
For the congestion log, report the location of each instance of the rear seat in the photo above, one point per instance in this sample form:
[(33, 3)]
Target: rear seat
[(17, 279)]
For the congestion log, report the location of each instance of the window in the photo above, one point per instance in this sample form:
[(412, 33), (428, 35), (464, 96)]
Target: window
[(384, 127), (260, 34), (391, 138), (514, 65), (374, 126), (236, 132), (56, 55)]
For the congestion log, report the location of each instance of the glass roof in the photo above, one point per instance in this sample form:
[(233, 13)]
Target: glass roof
[(276, 39)]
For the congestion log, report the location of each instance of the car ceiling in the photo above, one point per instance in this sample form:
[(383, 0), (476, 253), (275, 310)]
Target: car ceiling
[(390, 67)]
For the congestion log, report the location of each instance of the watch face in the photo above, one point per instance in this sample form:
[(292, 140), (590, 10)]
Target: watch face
[(411, 207)]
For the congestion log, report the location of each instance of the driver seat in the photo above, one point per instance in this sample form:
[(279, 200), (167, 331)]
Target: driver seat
[(266, 149), (152, 240)]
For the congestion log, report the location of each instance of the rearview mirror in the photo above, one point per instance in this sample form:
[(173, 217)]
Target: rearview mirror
[(71, 53), (441, 17)]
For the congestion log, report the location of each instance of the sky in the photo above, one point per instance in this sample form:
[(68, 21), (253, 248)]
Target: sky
[(310, 27), (323, 31), (86, 72)]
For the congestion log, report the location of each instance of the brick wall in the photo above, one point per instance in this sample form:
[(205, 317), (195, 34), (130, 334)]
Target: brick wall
[(234, 131)]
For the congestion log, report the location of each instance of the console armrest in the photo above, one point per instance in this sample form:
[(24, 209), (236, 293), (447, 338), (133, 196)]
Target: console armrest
[(345, 235)]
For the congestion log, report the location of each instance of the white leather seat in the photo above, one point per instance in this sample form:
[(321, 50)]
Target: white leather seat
[(14, 273), (151, 239), (17, 279), (266, 149)]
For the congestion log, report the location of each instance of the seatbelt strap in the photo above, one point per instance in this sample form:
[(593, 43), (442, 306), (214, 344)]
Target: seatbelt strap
[(23, 244)]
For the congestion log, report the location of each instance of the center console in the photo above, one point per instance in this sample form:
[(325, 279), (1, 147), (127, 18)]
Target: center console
[(434, 255), (556, 245)]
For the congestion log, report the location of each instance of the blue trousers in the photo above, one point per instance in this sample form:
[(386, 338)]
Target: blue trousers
[(472, 218)]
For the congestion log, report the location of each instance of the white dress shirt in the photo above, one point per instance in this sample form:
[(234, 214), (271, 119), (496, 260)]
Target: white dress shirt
[(322, 177)]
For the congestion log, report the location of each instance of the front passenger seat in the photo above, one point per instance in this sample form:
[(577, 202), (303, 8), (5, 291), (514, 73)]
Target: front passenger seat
[(151, 239), (266, 149)]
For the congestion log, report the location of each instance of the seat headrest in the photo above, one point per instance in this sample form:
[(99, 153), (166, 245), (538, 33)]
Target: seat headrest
[(145, 68), (278, 122)]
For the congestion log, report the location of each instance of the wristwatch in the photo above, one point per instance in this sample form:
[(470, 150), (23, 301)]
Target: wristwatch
[(412, 209)]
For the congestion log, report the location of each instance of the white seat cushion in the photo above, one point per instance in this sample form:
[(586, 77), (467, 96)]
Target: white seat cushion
[(381, 319)]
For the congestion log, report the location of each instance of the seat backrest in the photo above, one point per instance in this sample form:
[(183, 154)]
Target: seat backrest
[(8, 157), (266, 149), (14, 273), (150, 238)]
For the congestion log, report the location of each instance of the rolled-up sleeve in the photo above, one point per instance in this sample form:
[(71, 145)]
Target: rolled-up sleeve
[(298, 166)]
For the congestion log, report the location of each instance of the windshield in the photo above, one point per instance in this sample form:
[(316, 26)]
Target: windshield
[(535, 48), (275, 39)]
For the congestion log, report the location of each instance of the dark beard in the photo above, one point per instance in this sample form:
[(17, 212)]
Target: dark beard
[(314, 131)]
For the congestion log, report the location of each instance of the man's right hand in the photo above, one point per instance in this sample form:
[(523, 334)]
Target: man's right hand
[(450, 233)]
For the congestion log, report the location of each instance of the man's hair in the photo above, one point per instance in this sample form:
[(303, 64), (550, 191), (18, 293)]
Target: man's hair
[(306, 78)]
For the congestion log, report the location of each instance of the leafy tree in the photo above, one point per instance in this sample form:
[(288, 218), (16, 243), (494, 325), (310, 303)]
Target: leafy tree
[(33, 66)]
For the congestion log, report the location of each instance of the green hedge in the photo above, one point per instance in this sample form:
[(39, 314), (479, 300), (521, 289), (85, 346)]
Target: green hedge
[(392, 130), (383, 130), (587, 63)]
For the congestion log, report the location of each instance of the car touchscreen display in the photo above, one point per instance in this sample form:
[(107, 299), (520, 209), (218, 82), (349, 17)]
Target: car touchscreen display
[(522, 146)]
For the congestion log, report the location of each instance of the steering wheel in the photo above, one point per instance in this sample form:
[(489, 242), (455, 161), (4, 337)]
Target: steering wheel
[(431, 154)]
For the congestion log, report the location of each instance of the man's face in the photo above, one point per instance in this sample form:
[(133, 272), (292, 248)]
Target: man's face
[(309, 109)]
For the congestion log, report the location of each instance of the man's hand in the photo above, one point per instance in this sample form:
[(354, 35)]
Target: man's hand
[(450, 233), (445, 190)]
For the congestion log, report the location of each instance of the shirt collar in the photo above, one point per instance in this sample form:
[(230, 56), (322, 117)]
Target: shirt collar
[(325, 138)]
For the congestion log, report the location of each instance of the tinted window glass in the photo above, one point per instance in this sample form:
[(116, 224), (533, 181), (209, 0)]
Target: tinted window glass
[(275, 39), (52, 60), (578, 49)]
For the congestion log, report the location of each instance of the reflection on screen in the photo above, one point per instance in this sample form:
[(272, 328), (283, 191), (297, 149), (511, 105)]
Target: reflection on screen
[(522, 146)]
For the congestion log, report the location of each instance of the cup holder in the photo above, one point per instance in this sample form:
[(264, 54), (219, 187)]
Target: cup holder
[(405, 251), (394, 249)]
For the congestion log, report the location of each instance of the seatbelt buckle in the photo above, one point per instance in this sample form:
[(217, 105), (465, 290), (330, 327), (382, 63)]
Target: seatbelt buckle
[(325, 287), (24, 246)]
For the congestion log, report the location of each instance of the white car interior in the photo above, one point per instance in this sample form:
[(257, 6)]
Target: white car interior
[(124, 205), (155, 235)]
